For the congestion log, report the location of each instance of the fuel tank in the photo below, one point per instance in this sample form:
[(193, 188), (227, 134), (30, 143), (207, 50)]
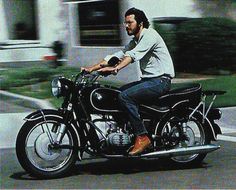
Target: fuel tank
[(102, 99), (105, 99)]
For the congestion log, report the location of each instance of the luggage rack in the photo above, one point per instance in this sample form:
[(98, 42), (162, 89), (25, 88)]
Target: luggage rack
[(202, 103)]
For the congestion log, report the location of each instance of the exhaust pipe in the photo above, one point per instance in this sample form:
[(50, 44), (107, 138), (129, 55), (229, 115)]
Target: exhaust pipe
[(173, 152), (182, 151)]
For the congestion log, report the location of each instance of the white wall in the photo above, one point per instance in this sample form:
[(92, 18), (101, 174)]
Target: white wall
[(166, 8), (3, 25), (51, 25)]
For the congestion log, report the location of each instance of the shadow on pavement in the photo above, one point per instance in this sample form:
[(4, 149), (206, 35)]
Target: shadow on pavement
[(119, 166), (125, 166)]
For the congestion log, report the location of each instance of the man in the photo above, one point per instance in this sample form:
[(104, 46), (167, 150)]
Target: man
[(147, 49)]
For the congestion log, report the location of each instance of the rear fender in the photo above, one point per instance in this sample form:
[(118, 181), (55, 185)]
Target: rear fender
[(213, 114), (211, 127), (216, 128)]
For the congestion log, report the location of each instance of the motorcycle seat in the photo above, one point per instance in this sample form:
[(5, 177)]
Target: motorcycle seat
[(190, 94)]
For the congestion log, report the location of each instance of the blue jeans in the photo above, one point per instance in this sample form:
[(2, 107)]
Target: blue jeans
[(139, 92)]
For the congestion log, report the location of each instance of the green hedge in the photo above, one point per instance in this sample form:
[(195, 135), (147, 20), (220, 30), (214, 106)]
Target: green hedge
[(201, 44)]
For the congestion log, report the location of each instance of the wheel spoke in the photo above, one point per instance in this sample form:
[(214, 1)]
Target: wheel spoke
[(43, 128)]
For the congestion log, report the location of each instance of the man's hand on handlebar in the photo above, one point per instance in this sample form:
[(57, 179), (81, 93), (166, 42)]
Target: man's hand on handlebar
[(95, 67), (87, 69), (103, 67)]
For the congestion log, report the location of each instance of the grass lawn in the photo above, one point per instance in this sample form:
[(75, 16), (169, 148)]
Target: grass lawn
[(36, 82)]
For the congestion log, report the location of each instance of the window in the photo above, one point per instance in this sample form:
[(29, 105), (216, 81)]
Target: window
[(21, 19), (99, 23)]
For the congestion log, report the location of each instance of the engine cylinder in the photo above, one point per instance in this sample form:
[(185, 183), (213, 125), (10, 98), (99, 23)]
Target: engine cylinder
[(119, 139)]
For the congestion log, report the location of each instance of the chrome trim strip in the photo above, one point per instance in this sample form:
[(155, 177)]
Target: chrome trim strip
[(182, 101), (154, 108), (181, 93), (41, 117)]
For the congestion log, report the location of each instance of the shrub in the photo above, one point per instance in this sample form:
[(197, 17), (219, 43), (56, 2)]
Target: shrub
[(201, 44), (168, 33), (206, 43)]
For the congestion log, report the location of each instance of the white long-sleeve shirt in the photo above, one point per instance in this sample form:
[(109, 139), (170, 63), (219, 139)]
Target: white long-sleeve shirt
[(150, 52)]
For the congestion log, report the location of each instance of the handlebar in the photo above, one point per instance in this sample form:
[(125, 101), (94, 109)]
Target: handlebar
[(92, 75)]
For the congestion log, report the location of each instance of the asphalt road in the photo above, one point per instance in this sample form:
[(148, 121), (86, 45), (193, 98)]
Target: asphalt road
[(217, 172)]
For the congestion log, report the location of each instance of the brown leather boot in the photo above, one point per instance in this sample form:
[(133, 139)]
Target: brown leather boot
[(141, 143)]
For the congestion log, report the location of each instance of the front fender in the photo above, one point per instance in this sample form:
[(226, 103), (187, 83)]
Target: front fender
[(41, 113)]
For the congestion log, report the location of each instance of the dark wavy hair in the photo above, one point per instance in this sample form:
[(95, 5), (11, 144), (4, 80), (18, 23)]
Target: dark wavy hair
[(139, 16)]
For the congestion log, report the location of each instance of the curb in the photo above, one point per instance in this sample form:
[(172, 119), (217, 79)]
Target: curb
[(26, 101)]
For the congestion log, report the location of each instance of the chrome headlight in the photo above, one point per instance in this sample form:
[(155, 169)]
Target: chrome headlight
[(56, 87)]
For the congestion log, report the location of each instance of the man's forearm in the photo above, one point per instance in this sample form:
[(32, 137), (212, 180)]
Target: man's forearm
[(126, 61), (98, 65)]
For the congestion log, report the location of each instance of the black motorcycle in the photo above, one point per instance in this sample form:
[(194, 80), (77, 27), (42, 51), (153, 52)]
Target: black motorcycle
[(180, 126)]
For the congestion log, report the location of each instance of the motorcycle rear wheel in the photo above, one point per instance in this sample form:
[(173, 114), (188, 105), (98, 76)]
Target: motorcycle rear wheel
[(196, 132), (34, 153)]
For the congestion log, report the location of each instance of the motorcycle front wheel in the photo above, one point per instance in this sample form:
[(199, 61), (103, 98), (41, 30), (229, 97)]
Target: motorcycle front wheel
[(196, 132), (34, 150)]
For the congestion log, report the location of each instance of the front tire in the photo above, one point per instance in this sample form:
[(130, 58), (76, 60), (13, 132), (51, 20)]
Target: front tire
[(33, 148)]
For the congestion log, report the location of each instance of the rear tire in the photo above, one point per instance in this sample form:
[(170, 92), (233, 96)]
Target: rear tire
[(197, 132), (34, 154)]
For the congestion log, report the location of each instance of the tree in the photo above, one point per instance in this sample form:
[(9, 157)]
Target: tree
[(215, 8)]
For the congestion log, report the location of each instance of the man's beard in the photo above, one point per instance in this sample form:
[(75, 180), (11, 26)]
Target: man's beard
[(134, 32)]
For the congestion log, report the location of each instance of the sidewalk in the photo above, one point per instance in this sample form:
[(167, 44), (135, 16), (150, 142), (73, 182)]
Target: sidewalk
[(13, 109), (25, 101), (20, 64)]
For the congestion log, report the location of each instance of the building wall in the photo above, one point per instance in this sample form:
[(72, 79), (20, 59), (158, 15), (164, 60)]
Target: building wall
[(166, 8), (84, 56), (3, 24), (50, 26), (50, 22)]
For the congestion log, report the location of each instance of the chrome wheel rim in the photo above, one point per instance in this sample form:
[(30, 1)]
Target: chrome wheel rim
[(39, 153)]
